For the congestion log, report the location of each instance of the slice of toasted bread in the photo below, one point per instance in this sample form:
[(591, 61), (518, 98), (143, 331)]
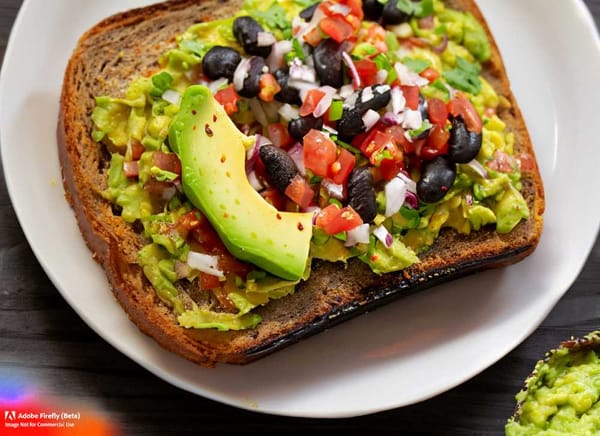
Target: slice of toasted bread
[(126, 45)]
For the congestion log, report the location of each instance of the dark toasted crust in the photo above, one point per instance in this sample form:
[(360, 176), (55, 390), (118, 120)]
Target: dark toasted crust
[(126, 45)]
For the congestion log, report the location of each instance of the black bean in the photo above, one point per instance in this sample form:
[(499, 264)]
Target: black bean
[(437, 177), (245, 30), (372, 9), (279, 166), (287, 94), (299, 127), (361, 193), (463, 145), (251, 86), (220, 62), (423, 108), (392, 14), (381, 95), (328, 63), (307, 14), (351, 123)]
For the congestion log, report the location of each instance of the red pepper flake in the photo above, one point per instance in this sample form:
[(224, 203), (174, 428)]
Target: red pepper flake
[(194, 112), (223, 158), (225, 215), (300, 226), (208, 131), (194, 127), (214, 118), (374, 258), (278, 216), (444, 188)]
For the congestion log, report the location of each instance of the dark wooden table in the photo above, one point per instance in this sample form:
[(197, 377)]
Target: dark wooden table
[(44, 338)]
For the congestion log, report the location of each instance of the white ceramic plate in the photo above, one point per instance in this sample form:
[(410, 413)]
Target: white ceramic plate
[(405, 352)]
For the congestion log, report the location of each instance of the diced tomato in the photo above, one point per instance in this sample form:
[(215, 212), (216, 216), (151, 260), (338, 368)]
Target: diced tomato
[(411, 94), (209, 281), (367, 71), (355, 7), (314, 37), (137, 148), (158, 189), (354, 21), (364, 140), (312, 99), (415, 146), (300, 191), (279, 135), (336, 27), (400, 139), (268, 87), (430, 74), (334, 220), (131, 168), (228, 97), (342, 167), (167, 161), (274, 197), (229, 264), (526, 162), (437, 142), (386, 155), (437, 111), (188, 222), (461, 106), (319, 152)]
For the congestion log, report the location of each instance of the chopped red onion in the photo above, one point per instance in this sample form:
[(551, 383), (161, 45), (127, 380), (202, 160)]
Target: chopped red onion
[(254, 181), (296, 153), (426, 22), (370, 118), (264, 39), (358, 235), (276, 58), (478, 168), (384, 236), (398, 100), (353, 72), (205, 263), (289, 112), (391, 119), (131, 168), (395, 194), (409, 77), (333, 189), (258, 111), (315, 210), (469, 199), (411, 200), (411, 186), (240, 74), (442, 46), (171, 96), (325, 101)]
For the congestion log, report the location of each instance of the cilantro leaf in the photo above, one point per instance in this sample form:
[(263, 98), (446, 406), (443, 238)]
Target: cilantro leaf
[(161, 82), (197, 47), (419, 9), (416, 65), (465, 76), (425, 126), (305, 3), (274, 18)]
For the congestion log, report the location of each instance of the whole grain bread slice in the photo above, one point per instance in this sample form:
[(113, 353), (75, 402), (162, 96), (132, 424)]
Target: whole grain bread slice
[(126, 45)]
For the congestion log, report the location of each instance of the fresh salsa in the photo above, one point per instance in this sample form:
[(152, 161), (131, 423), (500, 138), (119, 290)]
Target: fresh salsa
[(372, 116)]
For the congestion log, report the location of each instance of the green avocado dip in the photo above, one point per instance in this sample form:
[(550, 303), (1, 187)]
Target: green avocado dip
[(561, 396), (243, 157)]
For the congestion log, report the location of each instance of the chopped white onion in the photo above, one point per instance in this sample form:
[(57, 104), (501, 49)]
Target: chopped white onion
[(395, 193), (412, 119), (264, 39), (258, 111), (411, 186), (381, 76), (353, 72), (398, 100), (370, 118), (402, 30), (367, 94), (289, 112), (383, 235), (478, 168), (276, 58), (408, 77), (214, 86), (346, 91), (358, 235), (299, 71), (333, 189), (240, 74), (296, 153), (254, 182), (302, 86), (329, 130), (171, 96), (338, 8), (205, 263)]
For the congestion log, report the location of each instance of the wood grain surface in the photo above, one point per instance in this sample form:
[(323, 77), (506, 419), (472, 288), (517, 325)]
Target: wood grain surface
[(42, 337)]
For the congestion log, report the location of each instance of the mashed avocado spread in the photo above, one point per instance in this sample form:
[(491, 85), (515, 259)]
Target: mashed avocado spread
[(561, 396), (375, 120)]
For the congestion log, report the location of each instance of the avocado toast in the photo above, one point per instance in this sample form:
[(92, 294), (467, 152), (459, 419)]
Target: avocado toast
[(169, 305)]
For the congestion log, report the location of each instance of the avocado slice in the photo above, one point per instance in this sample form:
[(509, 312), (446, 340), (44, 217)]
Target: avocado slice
[(212, 152)]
